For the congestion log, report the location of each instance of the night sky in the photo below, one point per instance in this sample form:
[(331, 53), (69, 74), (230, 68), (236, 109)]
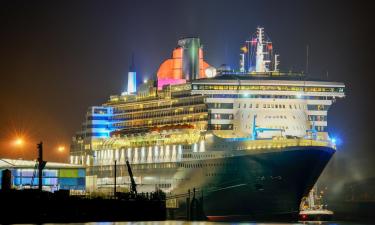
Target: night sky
[(57, 58)]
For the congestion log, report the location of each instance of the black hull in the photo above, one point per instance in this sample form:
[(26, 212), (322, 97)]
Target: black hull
[(264, 186), (243, 185)]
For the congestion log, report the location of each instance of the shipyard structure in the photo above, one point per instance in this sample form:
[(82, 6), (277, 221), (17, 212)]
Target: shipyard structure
[(56, 176), (251, 142)]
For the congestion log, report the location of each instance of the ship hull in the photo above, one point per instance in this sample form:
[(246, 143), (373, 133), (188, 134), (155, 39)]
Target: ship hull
[(244, 185), (268, 185), (265, 186)]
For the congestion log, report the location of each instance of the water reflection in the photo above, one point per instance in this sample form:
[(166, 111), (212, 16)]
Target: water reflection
[(171, 222)]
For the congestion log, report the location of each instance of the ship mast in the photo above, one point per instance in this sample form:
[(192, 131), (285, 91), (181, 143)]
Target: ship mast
[(259, 64), (263, 48)]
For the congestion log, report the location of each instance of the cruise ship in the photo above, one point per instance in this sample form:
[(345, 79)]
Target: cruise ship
[(251, 142)]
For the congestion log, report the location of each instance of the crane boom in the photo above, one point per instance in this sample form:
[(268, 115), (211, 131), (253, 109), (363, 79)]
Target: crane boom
[(133, 185)]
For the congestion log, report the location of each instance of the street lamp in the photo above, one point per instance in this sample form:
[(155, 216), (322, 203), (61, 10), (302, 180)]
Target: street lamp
[(18, 142), (61, 148)]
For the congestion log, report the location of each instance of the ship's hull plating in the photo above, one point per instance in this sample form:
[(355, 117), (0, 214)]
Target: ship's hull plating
[(252, 185), (267, 186)]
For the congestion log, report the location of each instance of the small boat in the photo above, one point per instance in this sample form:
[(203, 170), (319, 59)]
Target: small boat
[(313, 209)]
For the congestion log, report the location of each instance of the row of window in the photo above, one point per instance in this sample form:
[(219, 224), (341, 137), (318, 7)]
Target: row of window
[(164, 121), (101, 110), (276, 117), (269, 96), (106, 134), (272, 106), (268, 106), (321, 128), (220, 127), (164, 185), (203, 156), (267, 88), (220, 105), (190, 100), (202, 165), (163, 113), (318, 107), (281, 127), (317, 118), (222, 116), (122, 170)]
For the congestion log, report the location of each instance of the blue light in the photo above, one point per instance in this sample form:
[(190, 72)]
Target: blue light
[(336, 141)]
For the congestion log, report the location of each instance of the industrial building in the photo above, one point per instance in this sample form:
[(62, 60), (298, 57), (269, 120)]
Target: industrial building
[(56, 176)]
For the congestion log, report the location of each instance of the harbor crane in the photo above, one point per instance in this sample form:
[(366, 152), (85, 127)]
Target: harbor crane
[(133, 185)]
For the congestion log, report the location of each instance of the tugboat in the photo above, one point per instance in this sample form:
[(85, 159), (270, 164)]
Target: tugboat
[(313, 209)]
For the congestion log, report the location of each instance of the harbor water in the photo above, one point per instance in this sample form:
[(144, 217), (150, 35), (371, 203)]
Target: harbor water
[(170, 222)]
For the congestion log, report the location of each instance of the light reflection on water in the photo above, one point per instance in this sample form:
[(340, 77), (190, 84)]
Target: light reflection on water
[(171, 222)]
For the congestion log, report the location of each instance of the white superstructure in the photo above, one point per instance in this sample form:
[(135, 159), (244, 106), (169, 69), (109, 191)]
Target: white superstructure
[(276, 107)]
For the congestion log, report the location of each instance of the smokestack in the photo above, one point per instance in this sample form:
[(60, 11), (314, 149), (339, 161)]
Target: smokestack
[(132, 78), (190, 67)]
